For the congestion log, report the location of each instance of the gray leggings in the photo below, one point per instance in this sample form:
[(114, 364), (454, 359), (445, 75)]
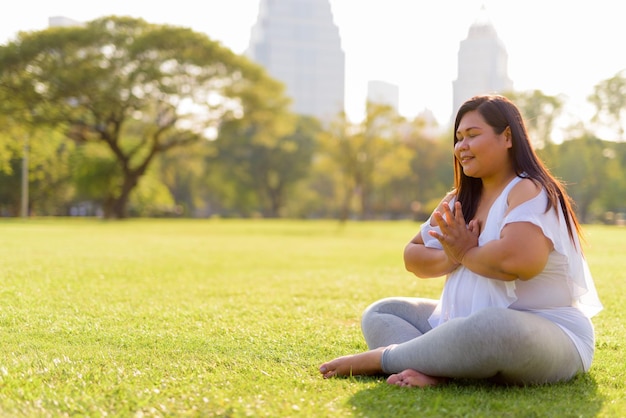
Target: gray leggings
[(505, 345)]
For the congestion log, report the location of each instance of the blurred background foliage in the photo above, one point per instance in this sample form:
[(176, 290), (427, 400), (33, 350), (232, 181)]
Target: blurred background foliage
[(115, 119)]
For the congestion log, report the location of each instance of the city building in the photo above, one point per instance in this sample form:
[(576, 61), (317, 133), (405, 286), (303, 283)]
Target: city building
[(298, 43), (382, 92), (56, 21), (482, 63)]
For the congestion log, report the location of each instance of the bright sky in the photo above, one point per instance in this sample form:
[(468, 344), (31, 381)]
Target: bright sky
[(557, 46)]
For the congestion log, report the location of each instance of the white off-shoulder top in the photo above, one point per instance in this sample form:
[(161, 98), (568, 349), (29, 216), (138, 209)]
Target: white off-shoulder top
[(564, 292)]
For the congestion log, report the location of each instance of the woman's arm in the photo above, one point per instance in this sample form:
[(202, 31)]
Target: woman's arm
[(521, 252), (426, 262)]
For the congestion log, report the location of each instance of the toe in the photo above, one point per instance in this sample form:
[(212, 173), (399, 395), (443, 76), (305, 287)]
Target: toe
[(394, 379)]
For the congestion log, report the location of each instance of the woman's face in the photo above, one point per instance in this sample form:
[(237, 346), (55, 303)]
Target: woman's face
[(480, 151)]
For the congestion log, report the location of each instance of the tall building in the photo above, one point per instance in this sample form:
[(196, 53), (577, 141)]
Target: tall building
[(56, 21), (298, 43), (482, 63), (383, 93)]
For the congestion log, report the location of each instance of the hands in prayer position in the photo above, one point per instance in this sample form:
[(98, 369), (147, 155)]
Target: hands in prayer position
[(456, 237)]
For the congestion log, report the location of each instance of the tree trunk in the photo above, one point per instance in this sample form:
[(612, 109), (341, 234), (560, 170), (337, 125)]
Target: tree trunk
[(344, 210), (117, 207), (276, 204), (366, 207)]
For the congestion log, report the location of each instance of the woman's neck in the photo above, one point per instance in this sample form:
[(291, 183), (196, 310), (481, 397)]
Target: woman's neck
[(494, 185)]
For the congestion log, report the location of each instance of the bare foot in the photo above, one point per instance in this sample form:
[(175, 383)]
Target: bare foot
[(366, 363), (413, 378)]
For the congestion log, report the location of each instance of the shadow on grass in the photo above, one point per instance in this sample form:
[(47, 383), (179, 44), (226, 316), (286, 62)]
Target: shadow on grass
[(577, 398)]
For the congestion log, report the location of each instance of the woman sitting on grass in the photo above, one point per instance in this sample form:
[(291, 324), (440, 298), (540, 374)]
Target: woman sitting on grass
[(518, 298)]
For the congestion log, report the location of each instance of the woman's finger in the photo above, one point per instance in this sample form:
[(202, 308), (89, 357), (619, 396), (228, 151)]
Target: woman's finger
[(449, 217), (458, 214), (441, 222)]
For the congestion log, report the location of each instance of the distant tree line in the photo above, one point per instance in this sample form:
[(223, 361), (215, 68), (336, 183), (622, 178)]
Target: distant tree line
[(122, 118)]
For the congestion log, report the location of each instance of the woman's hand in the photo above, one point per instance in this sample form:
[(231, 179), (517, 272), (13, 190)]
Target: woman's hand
[(456, 237)]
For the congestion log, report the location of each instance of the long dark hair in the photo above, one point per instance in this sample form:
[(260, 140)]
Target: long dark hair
[(500, 113)]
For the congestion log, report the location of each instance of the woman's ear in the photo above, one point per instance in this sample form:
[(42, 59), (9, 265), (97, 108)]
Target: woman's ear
[(508, 136)]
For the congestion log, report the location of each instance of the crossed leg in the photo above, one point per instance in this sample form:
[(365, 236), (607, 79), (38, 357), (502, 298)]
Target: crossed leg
[(413, 378), (366, 363), (515, 347), (386, 323)]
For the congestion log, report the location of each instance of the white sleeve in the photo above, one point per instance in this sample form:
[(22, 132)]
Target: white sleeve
[(553, 226), (430, 242)]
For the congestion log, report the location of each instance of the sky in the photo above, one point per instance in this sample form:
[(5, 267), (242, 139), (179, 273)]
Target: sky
[(560, 47)]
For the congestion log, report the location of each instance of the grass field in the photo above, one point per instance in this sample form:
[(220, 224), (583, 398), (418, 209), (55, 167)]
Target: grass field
[(232, 318)]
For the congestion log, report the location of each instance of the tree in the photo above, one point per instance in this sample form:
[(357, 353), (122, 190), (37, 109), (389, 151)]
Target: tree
[(265, 155), (184, 172), (540, 112), (431, 165), (582, 165), (609, 98), (357, 151), (281, 167), (137, 88), (8, 145), (49, 189), (11, 147), (613, 197)]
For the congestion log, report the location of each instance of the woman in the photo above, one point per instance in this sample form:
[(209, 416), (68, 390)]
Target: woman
[(518, 297)]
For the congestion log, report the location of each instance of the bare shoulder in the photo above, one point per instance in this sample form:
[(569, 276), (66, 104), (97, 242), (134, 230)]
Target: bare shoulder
[(523, 191), (447, 199), (449, 196)]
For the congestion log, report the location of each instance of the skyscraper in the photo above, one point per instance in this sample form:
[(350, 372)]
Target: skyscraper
[(56, 21), (382, 92), (298, 43), (482, 63)]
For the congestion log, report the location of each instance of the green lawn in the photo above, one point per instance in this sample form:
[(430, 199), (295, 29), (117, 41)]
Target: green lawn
[(232, 318)]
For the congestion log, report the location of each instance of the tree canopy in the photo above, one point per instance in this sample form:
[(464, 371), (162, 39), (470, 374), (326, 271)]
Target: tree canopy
[(120, 117), (135, 88)]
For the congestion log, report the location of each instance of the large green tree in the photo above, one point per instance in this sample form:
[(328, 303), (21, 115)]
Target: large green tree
[(137, 89)]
